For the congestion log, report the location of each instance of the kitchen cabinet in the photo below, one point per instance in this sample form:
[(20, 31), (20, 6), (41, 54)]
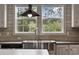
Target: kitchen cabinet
[(3, 16), (71, 49), (75, 16), (62, 50), (74, 49)]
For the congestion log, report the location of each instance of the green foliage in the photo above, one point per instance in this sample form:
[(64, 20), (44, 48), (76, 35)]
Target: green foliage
[(20, 28), (28, 24), (49, 25), (52, 25)]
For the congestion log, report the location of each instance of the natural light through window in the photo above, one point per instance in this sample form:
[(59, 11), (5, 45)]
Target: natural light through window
[(53, 19), (24, 24)]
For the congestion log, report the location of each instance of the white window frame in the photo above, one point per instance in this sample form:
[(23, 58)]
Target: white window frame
[(41, 28), (17, 20), (62, 32)]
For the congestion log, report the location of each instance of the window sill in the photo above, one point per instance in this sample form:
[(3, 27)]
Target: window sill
[(53, 33), (44, 33), (24, 33)]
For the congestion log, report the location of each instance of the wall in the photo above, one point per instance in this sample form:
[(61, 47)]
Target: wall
[(9, 35)]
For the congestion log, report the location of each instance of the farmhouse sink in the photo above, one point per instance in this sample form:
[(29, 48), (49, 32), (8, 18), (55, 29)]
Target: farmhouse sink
[(43, 44)]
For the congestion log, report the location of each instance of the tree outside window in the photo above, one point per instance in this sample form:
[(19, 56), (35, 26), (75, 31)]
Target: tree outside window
[(52, 19)]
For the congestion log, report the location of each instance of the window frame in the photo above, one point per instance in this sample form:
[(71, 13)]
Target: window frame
[(48, 33), (41, 20), (17, 20)]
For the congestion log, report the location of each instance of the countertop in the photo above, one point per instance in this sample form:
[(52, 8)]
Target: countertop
[(35, 41), (10, 42), (42, 41), (24, 52)]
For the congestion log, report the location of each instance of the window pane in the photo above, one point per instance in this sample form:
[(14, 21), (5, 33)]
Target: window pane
[(52, 12), (28, 23), (52, 25), (20, 28), (21, 10), (26, 29), (20, 22), (31, 25), (25, 24), (52, 19)]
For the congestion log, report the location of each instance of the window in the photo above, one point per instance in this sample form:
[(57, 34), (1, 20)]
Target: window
[(52, 18), (24, 24)]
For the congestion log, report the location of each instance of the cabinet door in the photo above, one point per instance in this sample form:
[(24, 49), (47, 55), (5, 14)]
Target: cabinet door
[(74, 49), (75, 15), (3, 16), (62, 50)]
